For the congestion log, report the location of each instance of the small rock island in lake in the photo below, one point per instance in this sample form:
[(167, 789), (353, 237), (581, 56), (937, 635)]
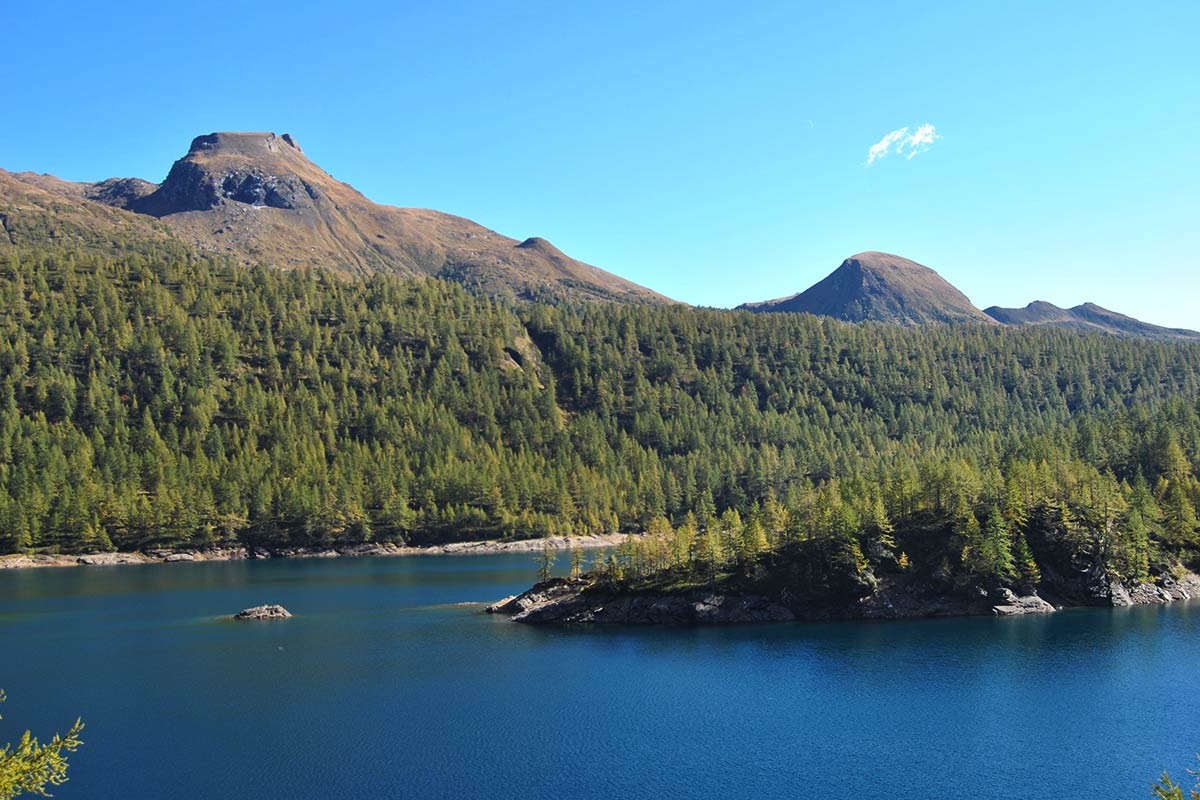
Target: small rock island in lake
[(264, 612)]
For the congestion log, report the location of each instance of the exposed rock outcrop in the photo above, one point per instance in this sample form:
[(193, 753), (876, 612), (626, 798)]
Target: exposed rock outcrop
[(582, 601), (119, 192), (263, 612), (109, 559), (1014, 605), (577, 601)]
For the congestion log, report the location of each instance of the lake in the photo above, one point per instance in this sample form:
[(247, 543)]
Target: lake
[(388, 684)]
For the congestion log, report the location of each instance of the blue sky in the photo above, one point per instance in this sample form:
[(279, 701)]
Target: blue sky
[(713, 152)]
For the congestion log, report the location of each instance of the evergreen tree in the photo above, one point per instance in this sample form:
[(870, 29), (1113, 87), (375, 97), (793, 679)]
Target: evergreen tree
[(545, 561)]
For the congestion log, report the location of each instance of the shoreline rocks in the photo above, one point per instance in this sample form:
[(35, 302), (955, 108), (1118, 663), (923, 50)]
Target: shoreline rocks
[(263, 612), (161, 556), (580, 601)]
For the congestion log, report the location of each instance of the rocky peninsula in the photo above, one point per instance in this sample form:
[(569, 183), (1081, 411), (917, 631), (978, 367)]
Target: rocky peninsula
[(593, 600)]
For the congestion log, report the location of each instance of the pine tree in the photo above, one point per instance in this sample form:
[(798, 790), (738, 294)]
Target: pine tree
[(1026, 567), (545, 561), (997, 549)]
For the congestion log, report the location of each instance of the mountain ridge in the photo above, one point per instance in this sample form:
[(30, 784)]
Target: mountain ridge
[(874, 286), (258, 198), (1087, 316)]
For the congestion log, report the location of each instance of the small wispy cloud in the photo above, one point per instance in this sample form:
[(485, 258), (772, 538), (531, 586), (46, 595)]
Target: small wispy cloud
[(903, 143)]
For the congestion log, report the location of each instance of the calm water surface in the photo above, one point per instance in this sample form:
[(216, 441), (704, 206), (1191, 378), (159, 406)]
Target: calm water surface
[(386, 685)]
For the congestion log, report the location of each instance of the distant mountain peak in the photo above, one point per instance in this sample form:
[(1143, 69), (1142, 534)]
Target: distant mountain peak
[(880, 287), (1087, 316)]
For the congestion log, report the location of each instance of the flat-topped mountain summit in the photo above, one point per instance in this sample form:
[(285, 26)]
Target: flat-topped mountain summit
[(259, 198), (880, 287), (256, 169), (1087, 316)]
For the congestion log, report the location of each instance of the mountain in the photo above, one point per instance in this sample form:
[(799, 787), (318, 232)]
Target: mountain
[(259, 198), (1088, 316), (880, 287), (39, 210)]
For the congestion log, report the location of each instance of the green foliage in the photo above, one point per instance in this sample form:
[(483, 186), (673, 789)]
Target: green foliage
[(159, 399), (545, 561), (577, 562), (30, 767), (1167, 789)]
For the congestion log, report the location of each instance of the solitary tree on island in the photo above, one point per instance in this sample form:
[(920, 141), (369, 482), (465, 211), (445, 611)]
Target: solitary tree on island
[(545, 563)]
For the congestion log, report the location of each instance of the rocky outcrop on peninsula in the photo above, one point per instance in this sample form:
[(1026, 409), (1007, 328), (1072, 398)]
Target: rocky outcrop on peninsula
[(577, 601), (588, 600)]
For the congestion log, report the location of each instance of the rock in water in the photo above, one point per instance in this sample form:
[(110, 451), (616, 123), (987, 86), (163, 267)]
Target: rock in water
[(263, 612)]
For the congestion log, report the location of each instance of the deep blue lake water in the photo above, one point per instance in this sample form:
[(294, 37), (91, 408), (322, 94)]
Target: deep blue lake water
[(385, 685)]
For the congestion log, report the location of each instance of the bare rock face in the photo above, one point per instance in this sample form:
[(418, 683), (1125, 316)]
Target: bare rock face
[(255, 169), (263, 612), (578, 602), (119, 192), (1010, 604), (109, 559)]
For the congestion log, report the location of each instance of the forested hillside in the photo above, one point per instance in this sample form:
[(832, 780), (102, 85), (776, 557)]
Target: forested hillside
[(158, 398)]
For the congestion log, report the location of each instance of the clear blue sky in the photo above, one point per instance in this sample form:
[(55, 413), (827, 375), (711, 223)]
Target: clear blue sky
[(714, 152)]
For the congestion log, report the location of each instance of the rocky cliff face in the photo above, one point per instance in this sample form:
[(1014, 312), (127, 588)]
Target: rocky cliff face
[(256, 169)]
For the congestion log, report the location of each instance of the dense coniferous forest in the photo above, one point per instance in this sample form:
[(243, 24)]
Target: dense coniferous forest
[(154, 398)]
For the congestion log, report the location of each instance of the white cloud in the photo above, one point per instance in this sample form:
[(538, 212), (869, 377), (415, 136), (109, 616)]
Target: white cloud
[(901, 142)]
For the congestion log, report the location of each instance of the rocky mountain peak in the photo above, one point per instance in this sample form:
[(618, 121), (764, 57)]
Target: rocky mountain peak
[(244, 144), (255, 169)]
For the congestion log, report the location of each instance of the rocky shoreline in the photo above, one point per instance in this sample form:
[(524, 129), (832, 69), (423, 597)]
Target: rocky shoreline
[(168, 556), (582, 601)]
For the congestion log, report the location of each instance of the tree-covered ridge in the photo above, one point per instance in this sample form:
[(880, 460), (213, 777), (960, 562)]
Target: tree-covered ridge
[(160, 399)]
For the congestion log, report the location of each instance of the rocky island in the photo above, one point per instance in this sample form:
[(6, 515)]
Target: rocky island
[(270, 611)]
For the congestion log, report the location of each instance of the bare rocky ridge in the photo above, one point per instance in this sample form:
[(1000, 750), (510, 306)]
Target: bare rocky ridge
[(880, 287), (1087, 316), (260, 199)]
